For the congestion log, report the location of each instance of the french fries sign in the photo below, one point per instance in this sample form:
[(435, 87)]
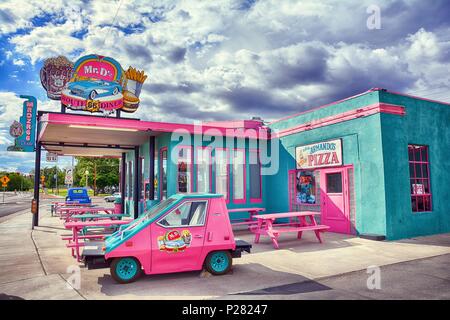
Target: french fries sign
[(99, 84)]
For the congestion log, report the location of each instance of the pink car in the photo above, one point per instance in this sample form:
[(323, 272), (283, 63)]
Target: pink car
[(186, 232)]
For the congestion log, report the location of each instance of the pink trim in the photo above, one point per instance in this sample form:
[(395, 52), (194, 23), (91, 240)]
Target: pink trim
[(244, 199), (227, 163), (421, 179), (257, 200), (161, 178), (324, 106), (210, 166), (237, 124), (70, 119), (345, 116), (191, 165)]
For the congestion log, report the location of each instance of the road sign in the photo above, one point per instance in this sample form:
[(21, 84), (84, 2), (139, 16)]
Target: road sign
[(69, 176), (4, 180), (51, 157)]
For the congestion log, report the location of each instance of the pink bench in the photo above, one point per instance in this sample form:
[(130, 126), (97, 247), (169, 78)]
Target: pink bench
[(246, 221), (77, 226), (265, 225)]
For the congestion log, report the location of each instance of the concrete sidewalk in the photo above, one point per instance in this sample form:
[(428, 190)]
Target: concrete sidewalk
[(34, 264)]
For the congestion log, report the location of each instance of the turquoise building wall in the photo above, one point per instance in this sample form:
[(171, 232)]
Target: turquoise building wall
[(361, 147), (425, 123)]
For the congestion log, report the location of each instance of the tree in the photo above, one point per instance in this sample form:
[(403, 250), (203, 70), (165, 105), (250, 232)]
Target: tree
[(106, 171), (18, 181)]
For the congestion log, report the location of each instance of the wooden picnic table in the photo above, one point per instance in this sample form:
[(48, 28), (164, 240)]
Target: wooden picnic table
[(77, 226), (266, 226), (246, 221)]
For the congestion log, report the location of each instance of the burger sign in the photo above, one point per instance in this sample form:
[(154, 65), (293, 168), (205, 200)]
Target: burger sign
[(99, 84)]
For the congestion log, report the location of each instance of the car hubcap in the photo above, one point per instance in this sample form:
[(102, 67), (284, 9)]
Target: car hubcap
[(219, 261), (126, 268)]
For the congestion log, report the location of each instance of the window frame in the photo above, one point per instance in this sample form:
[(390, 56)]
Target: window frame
[(227, 164), (185, 225), (161, 171), (414, 179), (255, 200), (244, 198), (210, 187), (191, 166)]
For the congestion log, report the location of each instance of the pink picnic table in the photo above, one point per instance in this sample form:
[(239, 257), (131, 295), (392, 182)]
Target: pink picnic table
[(252, 212), (77, 226), (266, 226), (67, 212)]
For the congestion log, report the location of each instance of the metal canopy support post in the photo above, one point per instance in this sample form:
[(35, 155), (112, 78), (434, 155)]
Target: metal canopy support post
[(137, 183), (123, 173), (37, 176), (152, 168)]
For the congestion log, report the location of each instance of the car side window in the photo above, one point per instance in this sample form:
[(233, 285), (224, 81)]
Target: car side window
[(190, 213)]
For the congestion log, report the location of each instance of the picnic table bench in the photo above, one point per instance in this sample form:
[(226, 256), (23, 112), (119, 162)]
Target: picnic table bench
[(66, 213), (98, 216), (57, 205), (245, 221), (77, 226), (265, 225)]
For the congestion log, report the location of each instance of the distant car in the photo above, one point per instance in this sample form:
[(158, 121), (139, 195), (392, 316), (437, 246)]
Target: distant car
[(112, 197), (91, 89), (78, 195)]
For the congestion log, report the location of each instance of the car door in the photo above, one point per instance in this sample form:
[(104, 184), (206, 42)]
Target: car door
[(177, 237)]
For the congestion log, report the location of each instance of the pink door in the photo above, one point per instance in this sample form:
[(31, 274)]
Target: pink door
[(334, 199), (177, 238)]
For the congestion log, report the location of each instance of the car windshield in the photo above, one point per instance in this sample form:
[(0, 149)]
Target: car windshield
[(150, 214)]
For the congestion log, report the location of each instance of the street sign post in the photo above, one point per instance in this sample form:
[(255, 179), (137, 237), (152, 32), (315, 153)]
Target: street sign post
[(69, 176), (4, 180), (51, 157)]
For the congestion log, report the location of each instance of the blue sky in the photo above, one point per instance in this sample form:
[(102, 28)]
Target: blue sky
[(227, 59)]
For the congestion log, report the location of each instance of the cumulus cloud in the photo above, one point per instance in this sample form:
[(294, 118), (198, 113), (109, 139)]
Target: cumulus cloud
[(237, 58)]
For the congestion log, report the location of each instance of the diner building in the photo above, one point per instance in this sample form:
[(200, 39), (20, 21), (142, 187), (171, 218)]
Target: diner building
[(374, 165)]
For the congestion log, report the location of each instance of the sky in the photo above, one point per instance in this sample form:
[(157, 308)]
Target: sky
[(227, 59)]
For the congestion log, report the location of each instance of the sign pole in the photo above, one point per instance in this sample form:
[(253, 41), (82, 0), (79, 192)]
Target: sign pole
[(4, 190)]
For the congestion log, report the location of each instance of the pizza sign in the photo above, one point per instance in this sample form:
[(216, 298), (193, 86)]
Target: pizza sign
[(319, 155)]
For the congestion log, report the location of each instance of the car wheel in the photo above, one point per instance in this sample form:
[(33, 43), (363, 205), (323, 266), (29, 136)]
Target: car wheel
[(218, 262), (116, 91), (125, 270), (92, 95)]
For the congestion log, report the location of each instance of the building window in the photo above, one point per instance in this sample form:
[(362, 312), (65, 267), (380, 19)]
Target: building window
[(163, 174), (222, 174), (255, 176), (203, 162), (419, 172), (184, 165), (130, 179), (239, 175)]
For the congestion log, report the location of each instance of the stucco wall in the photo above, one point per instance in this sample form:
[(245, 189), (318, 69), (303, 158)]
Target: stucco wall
[(425, 123)]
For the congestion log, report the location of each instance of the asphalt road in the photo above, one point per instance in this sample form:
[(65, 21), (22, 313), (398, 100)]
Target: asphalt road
[(420, 279), (14, 203)]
